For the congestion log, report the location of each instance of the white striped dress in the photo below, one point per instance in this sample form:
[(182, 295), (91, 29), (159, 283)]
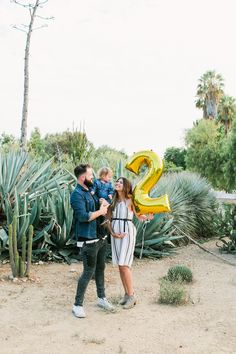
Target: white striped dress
[(123, 248)]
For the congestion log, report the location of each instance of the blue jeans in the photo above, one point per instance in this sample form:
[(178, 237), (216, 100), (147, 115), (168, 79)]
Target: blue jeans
[(93, 255)]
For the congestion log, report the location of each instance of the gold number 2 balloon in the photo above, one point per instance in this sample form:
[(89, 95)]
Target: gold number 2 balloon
[(142, 202)]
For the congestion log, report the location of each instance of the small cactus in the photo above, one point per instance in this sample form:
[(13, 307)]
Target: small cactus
[(18, 263), (21, 268), (29, 254), (23, 248), (14, 244), (11, 253)]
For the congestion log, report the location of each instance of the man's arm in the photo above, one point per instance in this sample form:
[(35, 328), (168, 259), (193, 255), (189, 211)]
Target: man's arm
[(79, 207), (78, 204), (101, 211)]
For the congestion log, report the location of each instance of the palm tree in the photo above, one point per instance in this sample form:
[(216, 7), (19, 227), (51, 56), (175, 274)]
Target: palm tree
[(227, 112), (209, 93)]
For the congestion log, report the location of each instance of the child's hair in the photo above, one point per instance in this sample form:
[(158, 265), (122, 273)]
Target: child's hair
[(128, 192), (104, 172)]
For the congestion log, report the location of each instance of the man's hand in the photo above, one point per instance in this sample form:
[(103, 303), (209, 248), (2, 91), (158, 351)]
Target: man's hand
[(103, 209), (99, 212), (103, 201)]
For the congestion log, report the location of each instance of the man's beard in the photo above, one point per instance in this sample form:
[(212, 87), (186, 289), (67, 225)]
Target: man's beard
[(88, 183)]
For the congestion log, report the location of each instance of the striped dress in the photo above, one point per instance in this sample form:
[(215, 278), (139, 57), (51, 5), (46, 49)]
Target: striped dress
[(123, 248)]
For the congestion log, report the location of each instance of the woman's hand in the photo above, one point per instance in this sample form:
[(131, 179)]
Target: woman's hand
[(145, 217), (118, 235), (150, 216), (142, 217)]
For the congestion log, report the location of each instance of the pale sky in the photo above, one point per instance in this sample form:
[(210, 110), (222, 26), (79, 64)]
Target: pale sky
[(127, 68)]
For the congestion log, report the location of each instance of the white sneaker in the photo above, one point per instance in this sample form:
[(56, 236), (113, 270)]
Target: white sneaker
[(105, 304), (78, 311)]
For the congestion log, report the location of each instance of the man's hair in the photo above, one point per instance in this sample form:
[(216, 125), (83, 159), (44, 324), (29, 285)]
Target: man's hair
[(81, 169)]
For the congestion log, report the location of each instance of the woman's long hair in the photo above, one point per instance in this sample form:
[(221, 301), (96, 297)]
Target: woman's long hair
[(127, 190)]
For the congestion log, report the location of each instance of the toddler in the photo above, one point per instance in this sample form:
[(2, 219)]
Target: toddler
[(102, 187)]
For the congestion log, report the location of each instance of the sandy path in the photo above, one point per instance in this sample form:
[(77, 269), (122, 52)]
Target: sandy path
[(36, 317)]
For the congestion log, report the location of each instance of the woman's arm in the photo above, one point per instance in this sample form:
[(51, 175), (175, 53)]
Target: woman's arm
[(140, 217)]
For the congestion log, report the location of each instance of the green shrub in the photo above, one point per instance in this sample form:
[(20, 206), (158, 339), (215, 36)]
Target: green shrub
[(226, 223), (172, 293), (180, 272)]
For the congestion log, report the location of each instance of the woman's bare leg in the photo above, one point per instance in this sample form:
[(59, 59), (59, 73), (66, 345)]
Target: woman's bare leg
[(127, 280)]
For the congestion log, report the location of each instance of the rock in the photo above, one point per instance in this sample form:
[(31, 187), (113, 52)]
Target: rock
[(40, 262), (72, 270), (15, 280), (10, 277)]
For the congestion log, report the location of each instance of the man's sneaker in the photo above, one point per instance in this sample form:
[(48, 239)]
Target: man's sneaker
[(78, 311), (105, 304)]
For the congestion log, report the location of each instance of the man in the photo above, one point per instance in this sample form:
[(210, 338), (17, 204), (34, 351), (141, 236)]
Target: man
[(93, 247)]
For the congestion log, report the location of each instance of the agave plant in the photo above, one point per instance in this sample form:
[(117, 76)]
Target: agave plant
[(193, 208), (25, 178), (193, 203), (155, 238), (25, 184), (60, 236)]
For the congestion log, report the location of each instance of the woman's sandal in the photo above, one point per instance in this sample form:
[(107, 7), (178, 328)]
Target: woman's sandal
[(130, 302), (124, 299)]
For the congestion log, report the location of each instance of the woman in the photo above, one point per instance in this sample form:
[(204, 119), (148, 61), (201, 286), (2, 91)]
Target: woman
[(123, 238)]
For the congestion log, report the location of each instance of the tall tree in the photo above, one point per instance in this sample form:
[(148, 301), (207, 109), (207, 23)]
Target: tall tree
[(36, 144), (73, 145), (176, 156), (209, 93), (7, 142), (227, 112), (32, 8), (204, 151), (230, 160)]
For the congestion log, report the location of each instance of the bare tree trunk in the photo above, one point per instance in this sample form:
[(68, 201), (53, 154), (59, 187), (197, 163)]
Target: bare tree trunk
[(24, 121)]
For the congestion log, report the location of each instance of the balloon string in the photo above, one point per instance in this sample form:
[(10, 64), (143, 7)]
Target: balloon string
[(142, 245)]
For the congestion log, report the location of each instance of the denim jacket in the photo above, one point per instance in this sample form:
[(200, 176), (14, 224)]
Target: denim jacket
[(102, 189), (83, 205)]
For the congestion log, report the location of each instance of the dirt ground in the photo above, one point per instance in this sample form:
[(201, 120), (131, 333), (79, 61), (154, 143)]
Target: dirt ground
[(35, 316)]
